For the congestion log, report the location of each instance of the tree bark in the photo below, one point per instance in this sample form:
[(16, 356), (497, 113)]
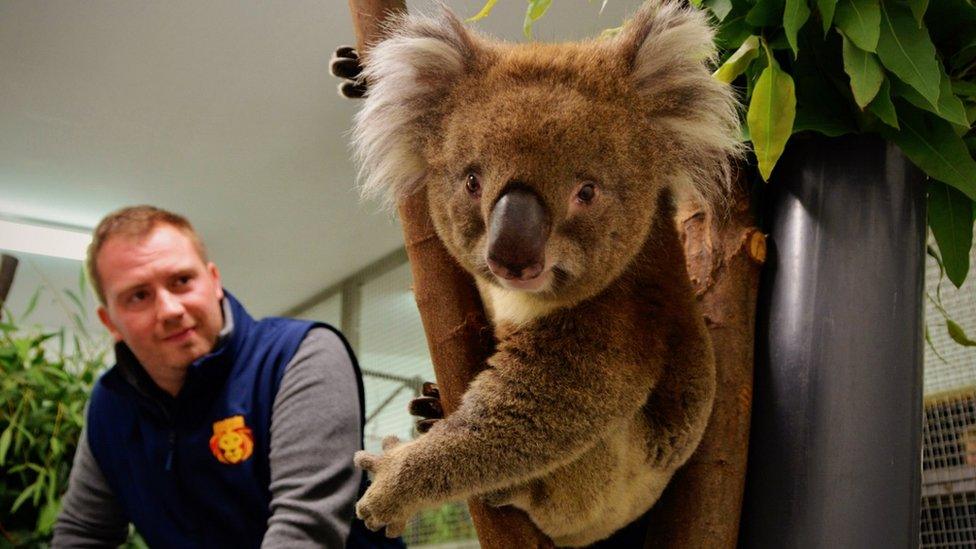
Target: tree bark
[(702, 504), (458, 334)]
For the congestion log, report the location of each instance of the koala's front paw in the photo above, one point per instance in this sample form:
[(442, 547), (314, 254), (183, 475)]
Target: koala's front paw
[(384, 503)]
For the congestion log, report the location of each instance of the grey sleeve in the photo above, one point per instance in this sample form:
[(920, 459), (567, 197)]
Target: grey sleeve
[(315, 430), (90, 515)]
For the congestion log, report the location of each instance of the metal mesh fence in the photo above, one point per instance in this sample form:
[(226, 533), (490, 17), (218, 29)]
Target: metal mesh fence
[(948, 507), (393, 354)]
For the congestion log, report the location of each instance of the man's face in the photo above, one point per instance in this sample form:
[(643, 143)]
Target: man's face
[(161, 299)]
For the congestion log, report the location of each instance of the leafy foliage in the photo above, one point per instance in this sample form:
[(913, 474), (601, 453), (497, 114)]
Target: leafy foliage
[(45, 380), (904, 69)]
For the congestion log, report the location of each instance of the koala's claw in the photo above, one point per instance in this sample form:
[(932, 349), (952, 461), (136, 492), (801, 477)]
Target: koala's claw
[(345, 65)]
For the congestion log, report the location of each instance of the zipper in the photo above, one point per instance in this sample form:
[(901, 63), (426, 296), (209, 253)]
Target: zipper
[(171, 451)]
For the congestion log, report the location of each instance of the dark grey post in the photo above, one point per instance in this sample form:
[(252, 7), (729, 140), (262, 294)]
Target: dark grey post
[(835, 451)]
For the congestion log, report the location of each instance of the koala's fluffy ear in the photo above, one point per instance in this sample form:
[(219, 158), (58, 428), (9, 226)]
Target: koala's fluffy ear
[(409, 74), (670, 51)]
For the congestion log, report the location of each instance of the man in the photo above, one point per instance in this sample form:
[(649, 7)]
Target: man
[(212, 429)]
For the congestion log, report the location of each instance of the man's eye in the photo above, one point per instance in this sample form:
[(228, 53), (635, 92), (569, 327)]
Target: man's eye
[(137, 297), (183, 280)]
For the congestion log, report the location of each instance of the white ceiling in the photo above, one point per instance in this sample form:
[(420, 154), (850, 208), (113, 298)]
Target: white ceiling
[(221, 110)]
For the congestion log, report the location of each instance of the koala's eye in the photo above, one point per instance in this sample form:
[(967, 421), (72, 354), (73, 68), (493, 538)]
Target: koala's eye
[(473, 184), (586, 193)]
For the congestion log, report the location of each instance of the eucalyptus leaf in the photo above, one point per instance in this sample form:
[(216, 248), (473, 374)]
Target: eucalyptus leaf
[(770, 116), (958, 334), (795, 15), (931, 144), (860, 21), (882, 107), (732, 32), (720, 8), (766, 13), (948, 107), (951, 219), (918, 8), (826, 9), (535, 10), (865, 71), (739, 61), (964, 88), (906, 50)]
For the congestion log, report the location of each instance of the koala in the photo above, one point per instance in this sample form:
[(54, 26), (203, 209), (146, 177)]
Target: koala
[(551, 172)]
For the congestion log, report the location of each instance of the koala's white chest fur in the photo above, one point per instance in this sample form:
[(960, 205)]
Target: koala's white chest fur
[(512, 306)]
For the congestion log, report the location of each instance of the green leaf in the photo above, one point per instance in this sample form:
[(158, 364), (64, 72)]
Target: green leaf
[(865, 71), (882, 107), (826, 8), (766, 13), (771, 113), (823, 96), (536, 9), (732, 32), (737, 63), (928, 340), (47, 516), (931, 144), (32, 303), (951, 219), (918, 8), (795, 15), (696, 3), (906, 50), (485, 11), (5, 439), (860, 21), (958, 334), (27, 493), (949, 106), (964, 88), (721, 8)]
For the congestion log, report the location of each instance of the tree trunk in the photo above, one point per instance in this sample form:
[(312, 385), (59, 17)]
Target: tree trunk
[(724, 254), (458, 334)]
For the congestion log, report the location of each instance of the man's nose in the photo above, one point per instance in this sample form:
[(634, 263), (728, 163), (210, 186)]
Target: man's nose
[(168, 306)]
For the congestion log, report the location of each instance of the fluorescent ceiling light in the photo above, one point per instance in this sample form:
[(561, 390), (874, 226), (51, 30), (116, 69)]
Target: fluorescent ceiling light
[(44, 240)]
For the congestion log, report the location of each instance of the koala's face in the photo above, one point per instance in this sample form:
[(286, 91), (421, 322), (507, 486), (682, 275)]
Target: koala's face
[(543, 163), (543, 183)]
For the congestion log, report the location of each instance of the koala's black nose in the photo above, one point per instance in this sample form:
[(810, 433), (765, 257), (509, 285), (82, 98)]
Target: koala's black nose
[(518, 228)]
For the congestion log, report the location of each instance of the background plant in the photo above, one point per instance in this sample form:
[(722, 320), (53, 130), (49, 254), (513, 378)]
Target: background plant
[(45, 380)]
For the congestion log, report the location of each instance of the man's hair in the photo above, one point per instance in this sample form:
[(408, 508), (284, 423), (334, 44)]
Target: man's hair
[(134, 222)]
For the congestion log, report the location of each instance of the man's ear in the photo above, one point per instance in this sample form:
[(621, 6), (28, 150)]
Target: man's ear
[(409, 73), (107, 322), (215, 276)]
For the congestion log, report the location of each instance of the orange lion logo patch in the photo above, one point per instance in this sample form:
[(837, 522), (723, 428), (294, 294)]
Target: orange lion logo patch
[(232, 441)]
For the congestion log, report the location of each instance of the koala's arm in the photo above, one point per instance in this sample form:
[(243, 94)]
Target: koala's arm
[(552, 390)]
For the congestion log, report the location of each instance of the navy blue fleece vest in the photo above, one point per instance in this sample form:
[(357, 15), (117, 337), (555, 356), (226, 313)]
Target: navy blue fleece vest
[(155, 450)]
